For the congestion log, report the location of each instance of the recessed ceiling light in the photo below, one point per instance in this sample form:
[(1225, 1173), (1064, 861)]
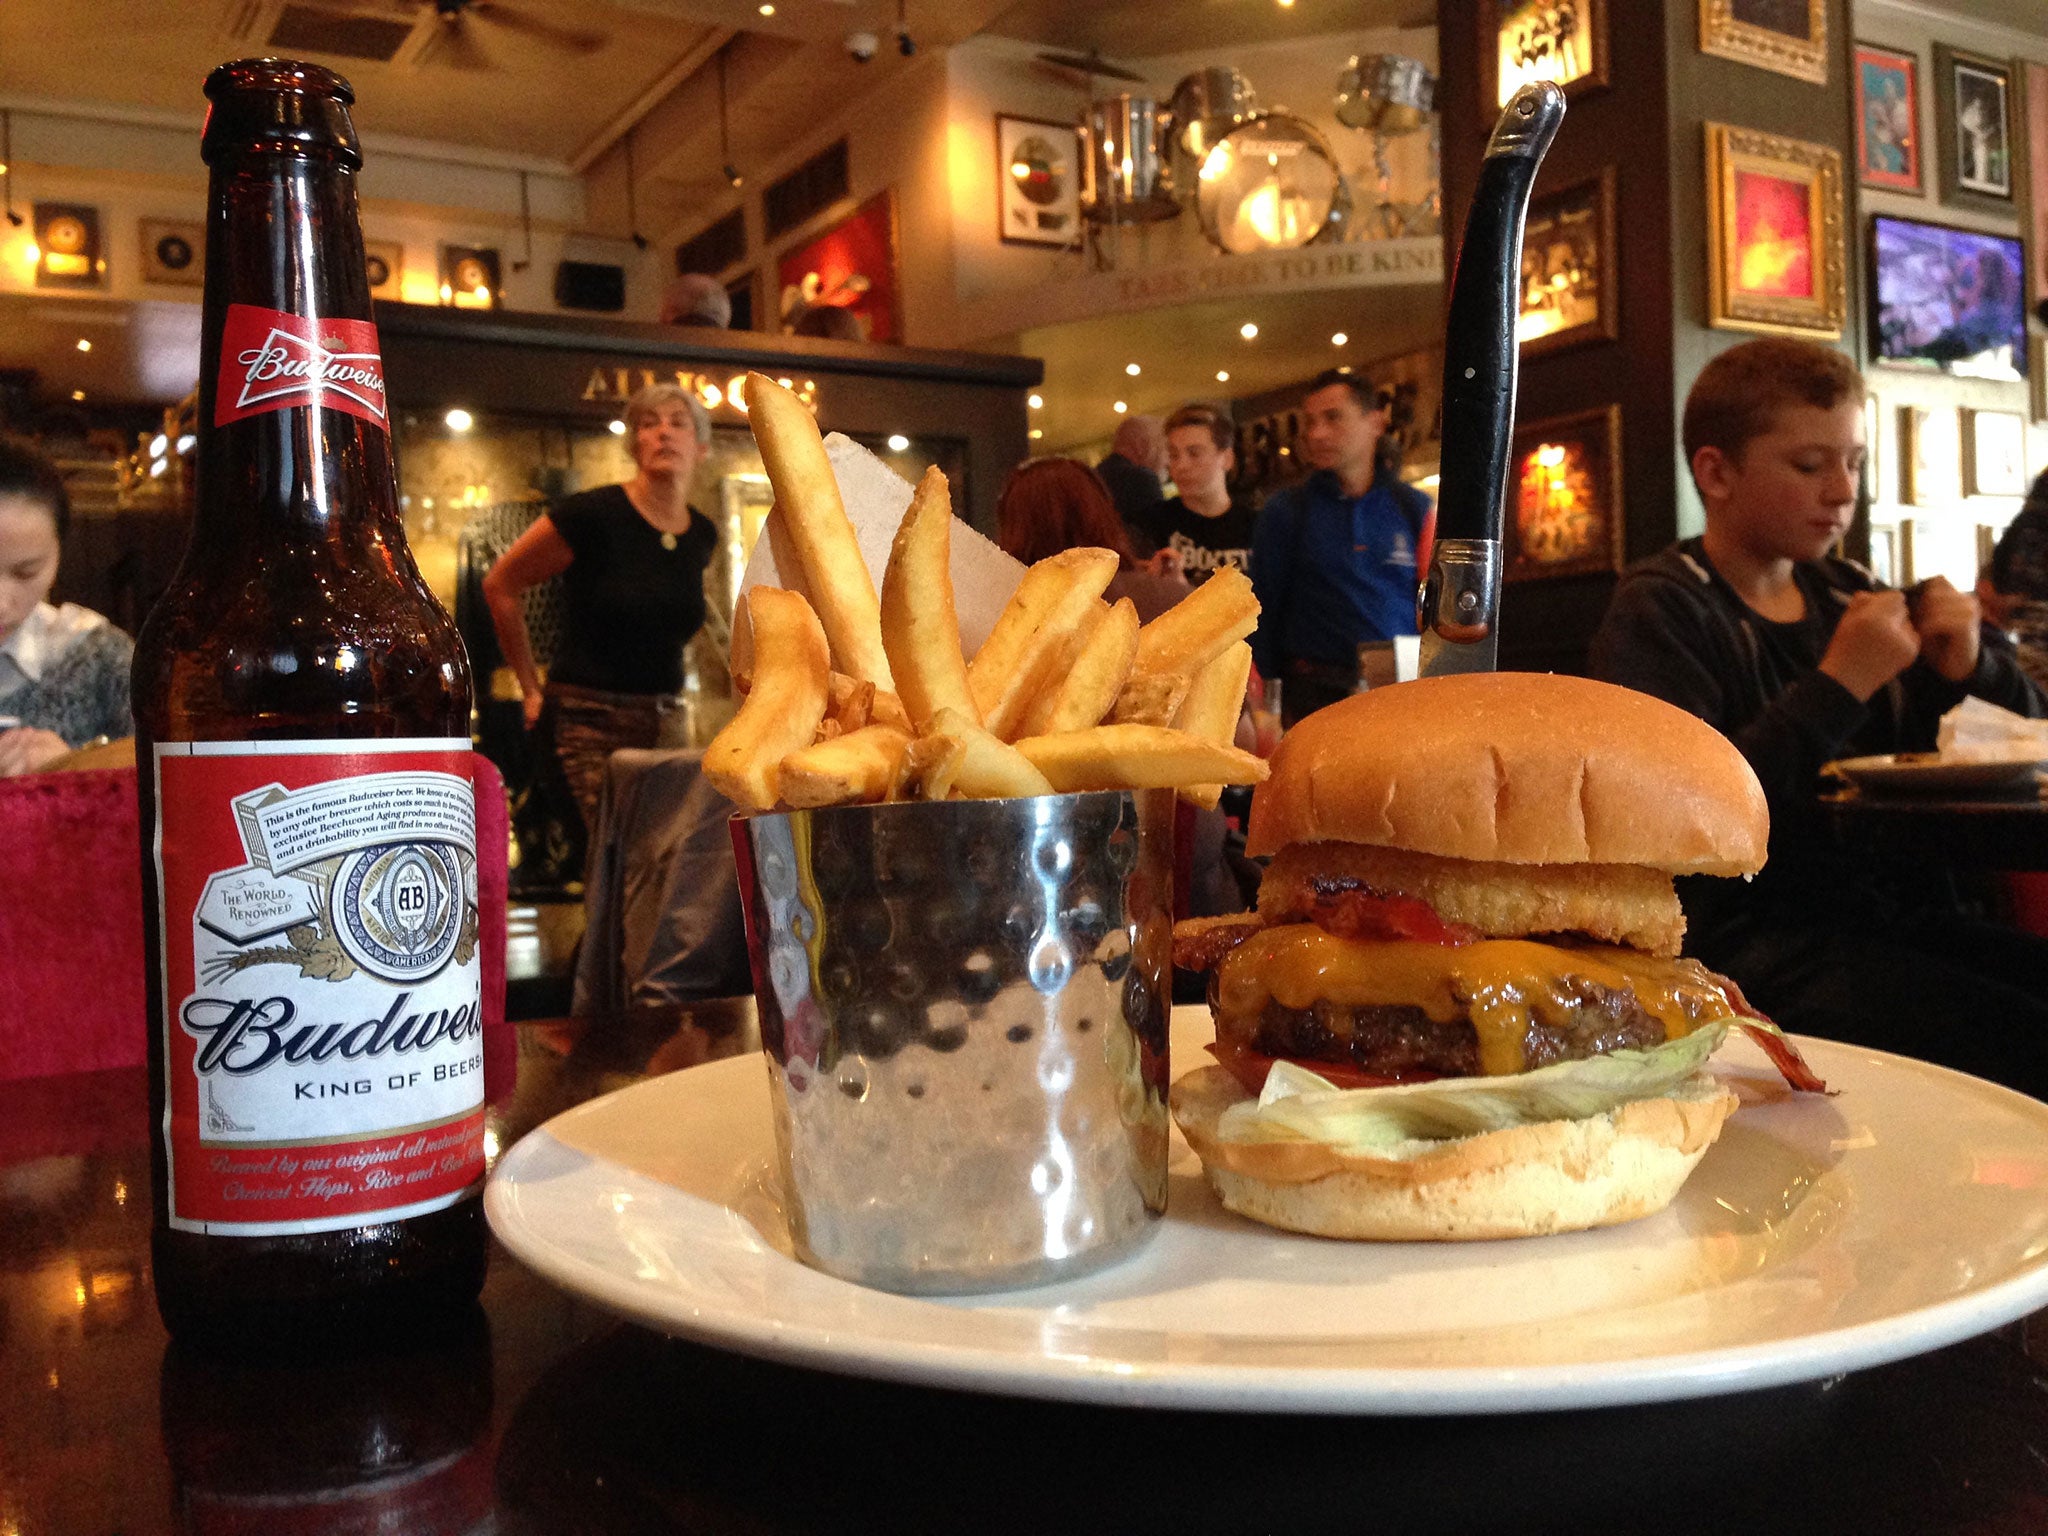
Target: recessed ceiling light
[(618, 428), (1133, 369), (1248, 330), (459, 420), (898, 442), (1339, 339), (1037, 432), (767, 10), (1120, 407), (84, 345), (1034, 401), (1222, 375), (78, 394)]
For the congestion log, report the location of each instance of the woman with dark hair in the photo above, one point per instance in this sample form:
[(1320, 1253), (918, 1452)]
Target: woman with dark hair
[(1048, 505), (63, 668)]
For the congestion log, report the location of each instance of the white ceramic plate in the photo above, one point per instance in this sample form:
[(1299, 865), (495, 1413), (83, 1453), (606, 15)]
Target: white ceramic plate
[(1921, 773), (1820, 1235)]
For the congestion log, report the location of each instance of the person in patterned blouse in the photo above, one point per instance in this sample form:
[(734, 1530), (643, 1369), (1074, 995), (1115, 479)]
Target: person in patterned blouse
[(63, 668)]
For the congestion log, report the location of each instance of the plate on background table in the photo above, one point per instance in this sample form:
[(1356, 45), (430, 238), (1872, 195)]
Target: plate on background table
[(1927, 773), (1820, 1235)]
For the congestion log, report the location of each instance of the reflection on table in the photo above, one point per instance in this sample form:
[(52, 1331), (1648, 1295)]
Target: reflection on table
[(540, 1414)]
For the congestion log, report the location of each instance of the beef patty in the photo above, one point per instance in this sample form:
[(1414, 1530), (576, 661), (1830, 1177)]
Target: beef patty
[(1398, 1041)]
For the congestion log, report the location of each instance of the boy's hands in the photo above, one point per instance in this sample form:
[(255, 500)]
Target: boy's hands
[(1947, 622), (1874, 642)]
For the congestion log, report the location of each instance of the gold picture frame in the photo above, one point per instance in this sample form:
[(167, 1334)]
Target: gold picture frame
[(1776, 248), (1766, 34)]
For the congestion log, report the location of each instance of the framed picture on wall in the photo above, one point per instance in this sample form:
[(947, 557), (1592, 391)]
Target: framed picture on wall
[(851, 267), (1930, 456), (1884, 553), (1887, 96), (1973, 129), (1774, 234), (1569, 292), (1564, 513), (174, 251), (1038, 177), (1873, 452), (2037, 377), (384, 264), (1789, 37), (1560, 40), (2033, 120), (1994, 453)]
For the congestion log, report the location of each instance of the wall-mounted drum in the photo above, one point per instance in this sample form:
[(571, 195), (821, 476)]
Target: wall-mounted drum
[(1385, 93), (1268, 184), (1124, 176), (1205, 106)]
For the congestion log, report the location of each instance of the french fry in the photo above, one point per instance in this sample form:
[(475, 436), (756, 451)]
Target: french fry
[(850, 702), (1137, 757), (1087, 679), (1198, 628), (792, 669), (920, 625), (1055, 597), (928, 767), (1211, 709), (889, 710), (860, 765), (989, 768), (1150, 699), (807, 496)]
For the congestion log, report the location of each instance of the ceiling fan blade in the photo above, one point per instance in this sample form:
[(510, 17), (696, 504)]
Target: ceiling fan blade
[(454, 46), (513, 19)]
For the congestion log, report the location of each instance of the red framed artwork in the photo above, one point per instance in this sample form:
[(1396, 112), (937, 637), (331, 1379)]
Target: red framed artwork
[(851, 266), (1776, 259), (1564, 513), (1887, 119)]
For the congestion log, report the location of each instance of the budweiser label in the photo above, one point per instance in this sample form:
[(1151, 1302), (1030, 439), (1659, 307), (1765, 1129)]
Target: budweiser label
[(270, 361), (322, 984)]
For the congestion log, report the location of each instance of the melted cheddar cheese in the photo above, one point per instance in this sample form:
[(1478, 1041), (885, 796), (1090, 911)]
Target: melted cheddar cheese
[(1501, 984)]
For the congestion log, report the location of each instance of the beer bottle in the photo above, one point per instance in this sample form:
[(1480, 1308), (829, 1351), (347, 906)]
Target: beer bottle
[(303, 761)]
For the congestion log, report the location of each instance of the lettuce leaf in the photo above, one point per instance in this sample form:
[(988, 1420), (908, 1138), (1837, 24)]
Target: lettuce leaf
[(1298, 1103)]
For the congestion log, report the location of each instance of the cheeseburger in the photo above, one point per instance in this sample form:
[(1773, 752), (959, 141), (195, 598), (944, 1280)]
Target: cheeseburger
[(1459, 1010)]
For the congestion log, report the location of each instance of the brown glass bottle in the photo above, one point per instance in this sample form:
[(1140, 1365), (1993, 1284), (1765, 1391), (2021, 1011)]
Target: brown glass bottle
[(302, 707)]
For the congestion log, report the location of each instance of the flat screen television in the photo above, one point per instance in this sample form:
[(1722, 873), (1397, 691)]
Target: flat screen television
[(1948, 298)]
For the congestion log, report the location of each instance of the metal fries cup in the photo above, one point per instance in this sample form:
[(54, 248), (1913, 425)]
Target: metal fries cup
[(964, 1008)]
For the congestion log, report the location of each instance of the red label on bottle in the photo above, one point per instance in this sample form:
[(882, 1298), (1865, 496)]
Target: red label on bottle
[(270, 361), (322, 982)]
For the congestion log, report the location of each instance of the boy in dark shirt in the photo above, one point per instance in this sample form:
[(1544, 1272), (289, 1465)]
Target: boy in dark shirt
[(1800, 658), (1205, 526)]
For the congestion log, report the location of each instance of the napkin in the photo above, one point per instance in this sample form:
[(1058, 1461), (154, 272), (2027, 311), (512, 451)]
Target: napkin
[(876, 498), (1977, 732)]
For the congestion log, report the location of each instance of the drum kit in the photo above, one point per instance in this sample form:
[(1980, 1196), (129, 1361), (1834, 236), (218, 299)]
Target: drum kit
[(1255, 179)]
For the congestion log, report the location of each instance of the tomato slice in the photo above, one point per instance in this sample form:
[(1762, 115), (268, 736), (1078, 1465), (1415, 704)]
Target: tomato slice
[(1250, 1067), (1357, 912)]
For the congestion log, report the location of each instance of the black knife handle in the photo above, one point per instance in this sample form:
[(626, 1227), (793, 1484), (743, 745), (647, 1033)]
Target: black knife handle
[(1479, 341)]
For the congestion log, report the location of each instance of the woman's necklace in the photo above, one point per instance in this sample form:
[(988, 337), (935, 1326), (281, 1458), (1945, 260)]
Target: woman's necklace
[(668, 540)]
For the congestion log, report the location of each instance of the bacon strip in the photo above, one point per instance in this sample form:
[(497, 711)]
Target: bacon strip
[(1783, 1053), (1200, 943), (1348, 910)]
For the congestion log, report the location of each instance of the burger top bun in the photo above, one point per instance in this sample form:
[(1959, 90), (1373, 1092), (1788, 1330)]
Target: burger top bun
[(1517, 768)]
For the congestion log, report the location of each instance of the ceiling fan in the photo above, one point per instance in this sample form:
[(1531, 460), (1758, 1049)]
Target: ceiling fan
[(461, 30)]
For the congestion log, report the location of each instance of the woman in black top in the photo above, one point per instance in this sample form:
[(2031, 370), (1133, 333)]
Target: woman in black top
[(632, 560)]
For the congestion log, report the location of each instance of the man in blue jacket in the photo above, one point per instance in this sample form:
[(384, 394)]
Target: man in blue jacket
[(1334, 558)]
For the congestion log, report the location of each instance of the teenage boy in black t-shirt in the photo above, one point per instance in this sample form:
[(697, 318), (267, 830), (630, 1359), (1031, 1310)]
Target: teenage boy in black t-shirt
[(1800, 658), (1204, 525)]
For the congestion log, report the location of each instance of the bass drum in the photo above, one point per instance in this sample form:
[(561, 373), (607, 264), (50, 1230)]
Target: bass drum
[(1269, 184)]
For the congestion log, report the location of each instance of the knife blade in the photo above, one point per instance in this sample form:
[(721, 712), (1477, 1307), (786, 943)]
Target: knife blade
[(1458, 611)]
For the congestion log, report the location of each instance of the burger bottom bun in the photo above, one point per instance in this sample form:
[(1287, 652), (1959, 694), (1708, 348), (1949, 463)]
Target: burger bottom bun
[(1557, 1176)]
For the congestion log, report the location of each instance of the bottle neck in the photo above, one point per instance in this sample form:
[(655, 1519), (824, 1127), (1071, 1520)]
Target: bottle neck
[(293, 430)]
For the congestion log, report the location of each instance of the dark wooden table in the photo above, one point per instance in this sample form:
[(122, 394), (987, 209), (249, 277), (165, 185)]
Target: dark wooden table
[(541, 1414), (2009, 833)]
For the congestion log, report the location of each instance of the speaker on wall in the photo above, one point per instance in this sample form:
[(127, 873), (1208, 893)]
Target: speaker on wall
[(590, 285)]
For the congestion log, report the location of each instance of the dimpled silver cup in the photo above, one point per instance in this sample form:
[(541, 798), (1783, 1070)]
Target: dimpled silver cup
[(964, 1008)]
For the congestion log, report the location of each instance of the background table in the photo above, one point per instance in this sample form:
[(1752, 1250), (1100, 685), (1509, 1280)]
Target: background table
[(540, 1414), (2009, 834)]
